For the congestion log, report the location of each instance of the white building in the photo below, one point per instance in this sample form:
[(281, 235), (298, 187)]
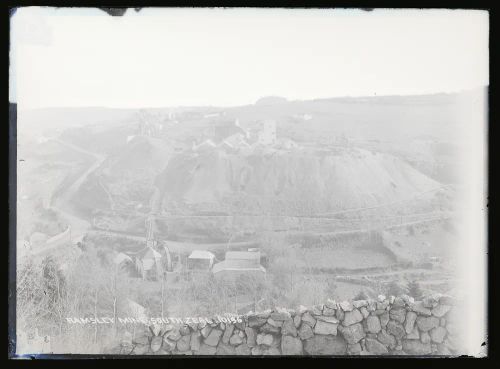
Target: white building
[(149, 264), (200, 260)]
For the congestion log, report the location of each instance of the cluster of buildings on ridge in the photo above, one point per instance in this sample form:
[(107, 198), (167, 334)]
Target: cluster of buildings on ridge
[(229, 134), (222, 132)]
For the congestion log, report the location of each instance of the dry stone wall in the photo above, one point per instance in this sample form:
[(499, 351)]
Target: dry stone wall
[(386, 326)]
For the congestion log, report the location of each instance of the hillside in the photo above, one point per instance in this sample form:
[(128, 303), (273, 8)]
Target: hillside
[(384, 118), (299, 181), (140, 154), (395, 147), (126, 177)]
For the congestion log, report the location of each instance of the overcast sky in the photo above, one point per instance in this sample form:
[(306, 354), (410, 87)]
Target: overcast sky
[(172, 57)]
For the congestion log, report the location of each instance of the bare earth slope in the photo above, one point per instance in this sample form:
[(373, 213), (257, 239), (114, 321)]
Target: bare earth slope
[(334, 180)]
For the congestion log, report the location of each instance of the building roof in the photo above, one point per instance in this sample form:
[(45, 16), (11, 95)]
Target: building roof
[(151, 254), (201, 254), (226, 144), (205, 144), (236, 140), (240, 261), (243, 255), (237, 266), (121, 257), (224, 129)]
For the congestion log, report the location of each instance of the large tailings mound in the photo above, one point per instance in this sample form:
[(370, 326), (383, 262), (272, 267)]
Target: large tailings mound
[(299, 181)]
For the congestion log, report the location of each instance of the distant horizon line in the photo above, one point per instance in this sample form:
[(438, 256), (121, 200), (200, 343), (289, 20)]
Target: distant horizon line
[(262, 97)]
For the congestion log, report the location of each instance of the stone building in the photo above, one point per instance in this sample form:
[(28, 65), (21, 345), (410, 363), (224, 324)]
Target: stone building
[(149, 264), (266, 134)]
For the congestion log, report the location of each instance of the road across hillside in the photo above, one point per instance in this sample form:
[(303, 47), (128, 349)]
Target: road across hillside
[(60, 203), (77, 226)]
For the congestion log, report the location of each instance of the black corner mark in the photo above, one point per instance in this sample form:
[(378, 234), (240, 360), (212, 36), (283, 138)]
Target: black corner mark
[(117, 12)]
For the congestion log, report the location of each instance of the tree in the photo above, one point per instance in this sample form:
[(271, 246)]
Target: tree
[(414, 290), (395, 289), (361, 296), (54, 287), (30, 297), (330, 288)]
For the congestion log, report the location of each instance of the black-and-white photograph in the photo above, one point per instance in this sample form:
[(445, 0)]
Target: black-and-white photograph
[(249, 181)]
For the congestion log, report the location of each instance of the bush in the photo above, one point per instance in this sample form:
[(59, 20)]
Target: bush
[(394, 289), (330, 288), (360, 296), (411, 230), (414, 290)]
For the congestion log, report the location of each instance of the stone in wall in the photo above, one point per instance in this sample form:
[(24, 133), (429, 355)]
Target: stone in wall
[(373, 324), (425, 324), (255, 321), (419, 308), (243, 349), (289, 328), (264, 339), (353, 333), (213, 338), (308, 319), (346, 306), (374, 347), (305, 331), (184, 343), (325, 328), (268, 328), (413, 335), (297, 319), (416, 347), (438, 334), (398, 314), (396, 329), (425, 337), (387, 339), (225, 349), (205, 331), (291, 345), (440, 310), (351, 317), (236, 340), (206, 350), (384, 318), (280, 315), (325, 345), (364, 311), (227, 333), (195, 341), (411, 317), (250, 333), (354, 349)]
